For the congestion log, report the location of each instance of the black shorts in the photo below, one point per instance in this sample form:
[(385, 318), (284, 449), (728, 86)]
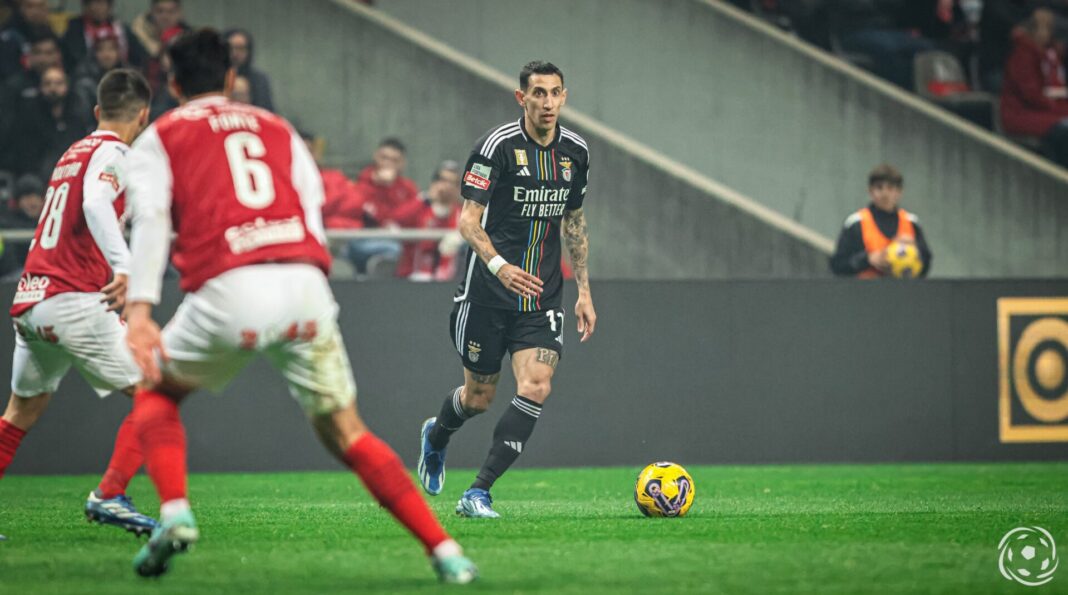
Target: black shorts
[(481, 334)]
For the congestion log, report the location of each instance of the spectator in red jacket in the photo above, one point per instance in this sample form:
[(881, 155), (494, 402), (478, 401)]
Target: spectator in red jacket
[(1034, 96), (382, 198), (434, 260), (337, 188)]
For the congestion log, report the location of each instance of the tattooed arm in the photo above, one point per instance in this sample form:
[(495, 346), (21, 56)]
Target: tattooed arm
[(512, 277), (577, 241)]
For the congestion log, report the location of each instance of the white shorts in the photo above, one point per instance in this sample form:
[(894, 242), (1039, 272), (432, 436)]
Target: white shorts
[(71, 329), (286, 312)]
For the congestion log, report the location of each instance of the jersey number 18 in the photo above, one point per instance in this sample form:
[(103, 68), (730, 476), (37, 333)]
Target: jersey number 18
[(52, 215)]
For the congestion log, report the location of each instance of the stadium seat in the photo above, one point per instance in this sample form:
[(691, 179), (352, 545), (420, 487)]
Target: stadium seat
[(939, 77)]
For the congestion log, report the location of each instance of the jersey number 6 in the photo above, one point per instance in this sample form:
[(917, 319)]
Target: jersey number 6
[(253, 183)]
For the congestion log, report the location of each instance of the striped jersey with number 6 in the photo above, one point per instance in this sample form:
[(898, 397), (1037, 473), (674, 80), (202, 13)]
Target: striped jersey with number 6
[(64, 256), (234, 174)]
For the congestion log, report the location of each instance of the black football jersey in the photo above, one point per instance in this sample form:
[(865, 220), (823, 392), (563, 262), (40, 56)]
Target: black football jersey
[(526, 188)]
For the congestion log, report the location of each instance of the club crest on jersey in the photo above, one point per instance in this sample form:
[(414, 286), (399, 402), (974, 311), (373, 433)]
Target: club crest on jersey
[(521, 157), (565, 163), (473, 351)]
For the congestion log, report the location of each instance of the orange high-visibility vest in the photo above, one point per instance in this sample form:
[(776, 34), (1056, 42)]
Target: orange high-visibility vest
[(874, 240)]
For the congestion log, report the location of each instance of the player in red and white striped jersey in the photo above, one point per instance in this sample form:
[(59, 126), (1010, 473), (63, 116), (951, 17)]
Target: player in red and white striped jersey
[(61, 317), (237, 186)]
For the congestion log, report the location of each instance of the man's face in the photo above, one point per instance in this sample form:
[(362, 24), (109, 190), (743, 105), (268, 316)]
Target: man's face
[(98, 11), (31, 205), (238, 50), (885, 195), (106, 53), (544, 96), (34, 11), (446, 189), (44, 55), (389, 162), (54, 85), (166, 15)]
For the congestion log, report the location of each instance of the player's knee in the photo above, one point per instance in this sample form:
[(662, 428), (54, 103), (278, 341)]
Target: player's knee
[(478, 397), (535, 389), (23, 412)]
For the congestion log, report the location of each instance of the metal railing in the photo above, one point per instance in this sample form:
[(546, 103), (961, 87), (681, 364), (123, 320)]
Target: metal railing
[(332, 235)]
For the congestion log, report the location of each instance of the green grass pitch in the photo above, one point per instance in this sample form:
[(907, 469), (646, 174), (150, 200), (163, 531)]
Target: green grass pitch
[(782, 529)]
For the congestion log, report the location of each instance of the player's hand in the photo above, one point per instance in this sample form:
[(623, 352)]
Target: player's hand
[(115, 293), (519, 281), (878, 260), (143, 339), (587, 317)]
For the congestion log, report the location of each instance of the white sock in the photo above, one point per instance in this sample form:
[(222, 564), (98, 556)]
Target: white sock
[(171, 508), (447, 549)]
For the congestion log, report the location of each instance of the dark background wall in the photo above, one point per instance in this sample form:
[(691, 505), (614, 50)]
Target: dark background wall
[(699, 372)]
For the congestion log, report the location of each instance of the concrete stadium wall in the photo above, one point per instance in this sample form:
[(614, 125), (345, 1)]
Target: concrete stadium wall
[(698, 372), (776, 120), (348, 77)]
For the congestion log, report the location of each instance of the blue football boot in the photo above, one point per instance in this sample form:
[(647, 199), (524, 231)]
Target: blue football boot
[(120, 512), (431, 466), (476, 504)]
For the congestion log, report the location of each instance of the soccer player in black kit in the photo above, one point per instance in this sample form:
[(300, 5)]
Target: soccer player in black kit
[(523, 186)]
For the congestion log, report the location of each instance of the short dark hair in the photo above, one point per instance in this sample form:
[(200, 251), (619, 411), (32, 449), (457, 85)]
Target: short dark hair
[(538, 67), (42, 34), (200, 61), (447, 166), (28, 184), (393, 143), (121, 94), (885, 174)]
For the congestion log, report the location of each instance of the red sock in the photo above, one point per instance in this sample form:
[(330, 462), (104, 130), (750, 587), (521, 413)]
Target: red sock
[(386, 478), (162, 437), (10, 438), (126, 459)]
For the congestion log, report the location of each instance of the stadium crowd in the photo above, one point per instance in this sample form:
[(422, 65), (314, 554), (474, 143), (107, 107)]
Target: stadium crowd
[(51, 63), (999, 63)]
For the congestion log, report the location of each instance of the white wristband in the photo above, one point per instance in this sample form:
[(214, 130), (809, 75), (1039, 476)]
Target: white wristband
[(495, 264)]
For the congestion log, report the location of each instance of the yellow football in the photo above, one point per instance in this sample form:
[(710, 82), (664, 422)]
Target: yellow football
[(664, 490), (904, 259)]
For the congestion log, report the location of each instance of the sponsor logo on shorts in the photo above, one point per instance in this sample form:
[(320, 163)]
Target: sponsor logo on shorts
[(31, 289)]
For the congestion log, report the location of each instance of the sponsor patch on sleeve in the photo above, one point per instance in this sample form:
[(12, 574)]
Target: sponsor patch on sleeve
[(111, 177), (473, 179)]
